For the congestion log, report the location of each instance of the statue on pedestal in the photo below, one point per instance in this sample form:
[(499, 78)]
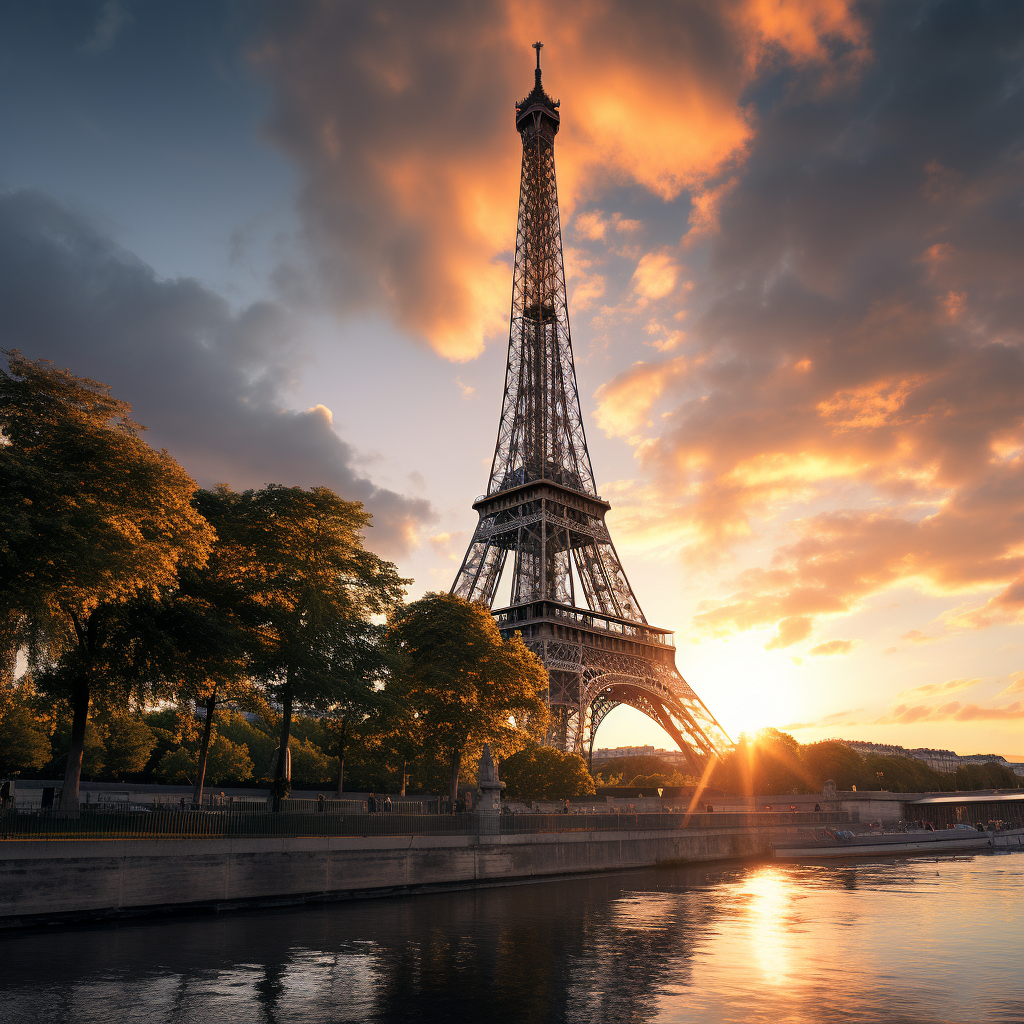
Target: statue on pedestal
[(487, 784)]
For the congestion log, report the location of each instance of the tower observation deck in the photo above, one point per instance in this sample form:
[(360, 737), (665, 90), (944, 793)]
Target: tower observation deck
[(542, 517)]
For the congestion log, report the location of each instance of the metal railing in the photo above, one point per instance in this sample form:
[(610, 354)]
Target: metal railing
[(122, 823)]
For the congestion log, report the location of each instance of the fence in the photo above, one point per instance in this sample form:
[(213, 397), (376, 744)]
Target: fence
[(124, 823)]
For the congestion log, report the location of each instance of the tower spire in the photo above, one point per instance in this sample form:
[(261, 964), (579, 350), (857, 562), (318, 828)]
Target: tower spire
[(567, 592)]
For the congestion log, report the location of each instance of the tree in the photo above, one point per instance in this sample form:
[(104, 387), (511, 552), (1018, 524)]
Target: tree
[(768, 763), (226, 762), (127, 745), (24, 743), (544, 773), (990, 775), (464, 681), (628, 769), (256, 736), (312, 591), (93, 518), (203, 643), (362, 701), (833, 760)]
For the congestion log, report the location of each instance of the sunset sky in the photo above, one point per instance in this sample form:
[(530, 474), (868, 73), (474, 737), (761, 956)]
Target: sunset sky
[(794, 240)]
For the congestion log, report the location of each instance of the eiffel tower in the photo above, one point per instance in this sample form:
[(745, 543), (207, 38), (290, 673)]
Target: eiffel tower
[(569, 596)]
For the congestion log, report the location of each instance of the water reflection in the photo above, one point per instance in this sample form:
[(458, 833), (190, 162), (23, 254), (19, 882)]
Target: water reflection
[(908, 941)]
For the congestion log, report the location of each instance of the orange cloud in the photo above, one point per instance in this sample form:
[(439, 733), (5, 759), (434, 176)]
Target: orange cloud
[(399, 116), (624, 403), (801, 26), (940, 689), (954, 711), (791, 630), (655, 276), (1016, 685), (704, 207), (834, 647)]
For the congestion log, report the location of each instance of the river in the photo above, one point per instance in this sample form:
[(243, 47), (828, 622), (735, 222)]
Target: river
[(919, 940)]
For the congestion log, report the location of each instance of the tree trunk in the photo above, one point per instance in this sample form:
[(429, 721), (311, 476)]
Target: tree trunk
[(204, 750), (405, 766), (342, 745), (79, 720), (282, 750), (453, 791)]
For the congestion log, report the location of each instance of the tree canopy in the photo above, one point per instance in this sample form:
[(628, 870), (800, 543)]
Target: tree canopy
[(545, 773), (311, 590), (94, 518), (465, 682)]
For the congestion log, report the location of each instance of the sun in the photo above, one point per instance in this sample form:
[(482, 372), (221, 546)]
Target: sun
[(747, 687)]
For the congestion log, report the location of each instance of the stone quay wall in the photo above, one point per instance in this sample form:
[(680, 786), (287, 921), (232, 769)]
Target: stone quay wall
[(54, 880)]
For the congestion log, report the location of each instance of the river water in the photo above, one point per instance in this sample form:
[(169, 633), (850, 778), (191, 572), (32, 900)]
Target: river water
[(909, 941)]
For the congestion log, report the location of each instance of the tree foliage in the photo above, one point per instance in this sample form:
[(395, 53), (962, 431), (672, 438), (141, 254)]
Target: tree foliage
[(93, 518), (544, 773), (24, 740), (127, 744), (227, 762), (465, 682), (773, 762), (310, 593), (203, 644)]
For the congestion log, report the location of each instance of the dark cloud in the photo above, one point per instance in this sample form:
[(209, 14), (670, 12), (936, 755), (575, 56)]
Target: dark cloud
[(209, 382)]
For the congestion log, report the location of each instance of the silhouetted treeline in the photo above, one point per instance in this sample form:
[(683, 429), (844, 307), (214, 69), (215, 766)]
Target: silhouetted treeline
[(774, 762)]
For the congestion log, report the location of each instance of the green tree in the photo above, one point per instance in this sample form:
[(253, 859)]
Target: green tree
[(465, 682), (544, 773), (93, 518), (24, 742), (902, 775), (766, 763), (311, 766), (629, 768), (93, 752), (833, 760), (203, 641), (362, 701), (127, 746), (312, 592), (257, 737), (226, 762), (990, 775)]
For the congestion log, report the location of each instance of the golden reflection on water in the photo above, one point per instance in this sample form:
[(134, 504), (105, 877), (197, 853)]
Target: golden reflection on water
[(768, 923)]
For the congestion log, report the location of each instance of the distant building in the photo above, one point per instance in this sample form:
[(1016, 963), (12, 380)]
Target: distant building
[(940, 760), (672, 757), (610, 753)]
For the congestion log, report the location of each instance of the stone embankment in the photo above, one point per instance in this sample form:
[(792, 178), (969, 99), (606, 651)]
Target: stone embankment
[(67, 880)]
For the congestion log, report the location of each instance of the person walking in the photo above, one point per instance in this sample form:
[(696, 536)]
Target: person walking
[(371, 803)]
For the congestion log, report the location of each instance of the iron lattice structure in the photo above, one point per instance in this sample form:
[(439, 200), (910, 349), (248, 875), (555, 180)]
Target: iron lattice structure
[(542, 507)]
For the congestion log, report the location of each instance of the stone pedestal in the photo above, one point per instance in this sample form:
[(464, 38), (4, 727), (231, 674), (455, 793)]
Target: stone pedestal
[(488, 785)]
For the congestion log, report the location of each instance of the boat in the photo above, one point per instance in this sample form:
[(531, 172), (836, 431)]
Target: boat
[(838, 843)]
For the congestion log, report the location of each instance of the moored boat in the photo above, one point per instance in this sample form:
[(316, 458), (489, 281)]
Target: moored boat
[(833, 843)]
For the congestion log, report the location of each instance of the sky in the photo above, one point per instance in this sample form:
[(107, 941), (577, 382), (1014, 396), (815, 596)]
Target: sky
[(794, 250)]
